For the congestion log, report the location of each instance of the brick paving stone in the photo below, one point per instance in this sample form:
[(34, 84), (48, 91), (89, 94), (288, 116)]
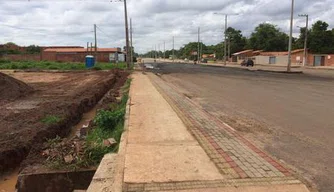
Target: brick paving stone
[(219, 141)]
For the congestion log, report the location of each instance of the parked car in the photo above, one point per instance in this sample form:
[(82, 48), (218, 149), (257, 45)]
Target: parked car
[(247, 63)]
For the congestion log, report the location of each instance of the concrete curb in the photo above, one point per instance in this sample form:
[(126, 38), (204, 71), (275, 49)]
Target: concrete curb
[(317, 68), (110, 173), (273, 71)]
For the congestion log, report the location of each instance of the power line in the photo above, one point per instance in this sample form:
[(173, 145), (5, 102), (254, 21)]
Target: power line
[(103, 32)]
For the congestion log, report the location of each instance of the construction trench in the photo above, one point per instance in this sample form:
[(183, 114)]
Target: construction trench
[(27, 99)]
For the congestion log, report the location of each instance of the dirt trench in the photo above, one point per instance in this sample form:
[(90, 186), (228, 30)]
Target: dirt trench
[(68, 97)]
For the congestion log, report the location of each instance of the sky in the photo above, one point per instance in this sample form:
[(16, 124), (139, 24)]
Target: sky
[(155, 22)]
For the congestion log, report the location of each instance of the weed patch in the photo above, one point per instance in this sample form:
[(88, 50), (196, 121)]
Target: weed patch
[(50, 119), (78, 153)]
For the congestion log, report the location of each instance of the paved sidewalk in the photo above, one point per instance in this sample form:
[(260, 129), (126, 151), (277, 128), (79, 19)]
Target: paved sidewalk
[(173, 145)]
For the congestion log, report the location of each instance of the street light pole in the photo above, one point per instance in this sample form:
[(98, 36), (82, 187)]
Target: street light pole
[(225, 43), (290, 36), (127, 36), (95, 43), (225, 33), (198, 48), (173, 47), (164, 49), (155, 53), (305, 41), (131, 46)]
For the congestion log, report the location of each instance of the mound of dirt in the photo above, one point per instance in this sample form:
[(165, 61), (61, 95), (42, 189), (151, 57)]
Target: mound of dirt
[(11, 88)]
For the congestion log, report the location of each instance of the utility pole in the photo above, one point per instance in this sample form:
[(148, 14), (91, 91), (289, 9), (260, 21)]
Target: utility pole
[(198, 48), (87, 47), (95, 43), (229, 46), (131, 52), (225, 33), (159, 51), (201, 52), (305, 41), (155, 52), (91, 48), (290, 37), (127, 36), (173, 47), (164, 49), (225, 46)]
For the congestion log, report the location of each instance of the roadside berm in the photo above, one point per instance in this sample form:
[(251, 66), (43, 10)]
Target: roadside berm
[(171, 144)]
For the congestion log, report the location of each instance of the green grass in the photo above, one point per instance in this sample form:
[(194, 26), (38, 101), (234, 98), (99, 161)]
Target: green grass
[(51, 119), (108, 124), (51, 65)]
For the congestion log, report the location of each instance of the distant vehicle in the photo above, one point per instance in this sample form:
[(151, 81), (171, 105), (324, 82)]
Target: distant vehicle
[(204, 61), (247, 63)]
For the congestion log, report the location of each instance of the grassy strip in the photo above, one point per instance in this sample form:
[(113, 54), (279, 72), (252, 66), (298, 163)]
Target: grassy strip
[(52, 65), (108, 124)]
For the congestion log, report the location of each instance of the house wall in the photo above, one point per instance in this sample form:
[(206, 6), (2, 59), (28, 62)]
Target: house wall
[(297, 58), (329, 59), (261, 60), (22, 57), (282, 60), (73, 57), (48, 56)]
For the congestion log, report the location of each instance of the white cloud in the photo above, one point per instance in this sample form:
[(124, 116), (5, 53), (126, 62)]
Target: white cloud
[(59, 22)]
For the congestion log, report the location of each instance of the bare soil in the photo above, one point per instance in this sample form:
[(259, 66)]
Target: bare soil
[(11, 88), (65, 95)]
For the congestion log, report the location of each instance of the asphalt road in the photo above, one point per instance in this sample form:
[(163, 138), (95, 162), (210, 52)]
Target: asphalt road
[(290, 116)]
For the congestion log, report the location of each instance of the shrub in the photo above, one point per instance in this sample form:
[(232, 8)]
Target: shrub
[(14, 66)]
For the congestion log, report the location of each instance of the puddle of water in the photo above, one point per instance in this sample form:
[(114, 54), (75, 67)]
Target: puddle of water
[(86, 118), (8, 181)]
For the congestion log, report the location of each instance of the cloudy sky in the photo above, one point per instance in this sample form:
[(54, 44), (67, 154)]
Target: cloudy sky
[(70, 22)]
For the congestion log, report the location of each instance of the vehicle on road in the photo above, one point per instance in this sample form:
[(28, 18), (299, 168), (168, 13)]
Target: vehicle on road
[(247, 63)]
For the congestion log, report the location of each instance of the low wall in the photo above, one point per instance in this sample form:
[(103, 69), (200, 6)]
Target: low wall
[(22, 57)]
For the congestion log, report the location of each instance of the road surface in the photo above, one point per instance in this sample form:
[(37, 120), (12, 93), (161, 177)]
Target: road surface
[(290, 116)]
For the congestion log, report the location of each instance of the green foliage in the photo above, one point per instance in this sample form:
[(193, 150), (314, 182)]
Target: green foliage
[(236, 40), (32, 49), (321, 40), (109, 124), (4, 61), (51, 119), (109, 119), (268, 37), (53, 142), (95, 150)]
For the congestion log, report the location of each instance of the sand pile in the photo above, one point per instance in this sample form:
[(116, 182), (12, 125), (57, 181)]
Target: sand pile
[(11, 88)]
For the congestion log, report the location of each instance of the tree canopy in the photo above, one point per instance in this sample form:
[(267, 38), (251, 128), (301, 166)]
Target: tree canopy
[(321, 40), (268, 37)]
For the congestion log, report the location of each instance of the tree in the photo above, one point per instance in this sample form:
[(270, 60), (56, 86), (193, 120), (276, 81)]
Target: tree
[(321, 39), (31, 49), (236, 40), (299, 42), (268, 37), (188, 49)]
